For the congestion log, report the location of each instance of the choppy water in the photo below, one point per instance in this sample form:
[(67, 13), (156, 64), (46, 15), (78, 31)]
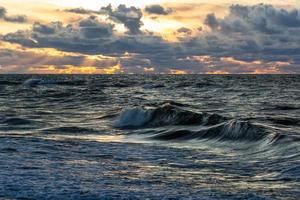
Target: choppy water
[(156, 137)]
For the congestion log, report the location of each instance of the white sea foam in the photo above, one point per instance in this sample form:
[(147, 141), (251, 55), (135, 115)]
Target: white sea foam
[(133, 117)]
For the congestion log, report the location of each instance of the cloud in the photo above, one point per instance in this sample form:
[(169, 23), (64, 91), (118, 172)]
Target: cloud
[(211, 21), (249, 39), (184, 30), (262, 18), (46, 28), (16, 18), (250, 33), (87, 35), (13, 18), (266, 16), (81, 11), (230, 65), (158, 10), (92, 28), (2, 12), (17, 59), (129, 16)]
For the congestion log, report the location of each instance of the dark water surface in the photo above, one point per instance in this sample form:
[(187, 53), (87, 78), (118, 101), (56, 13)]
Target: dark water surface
[(155, 137)]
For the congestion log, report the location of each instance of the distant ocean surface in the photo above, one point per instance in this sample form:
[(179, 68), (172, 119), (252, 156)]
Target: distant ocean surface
[(150, 137)]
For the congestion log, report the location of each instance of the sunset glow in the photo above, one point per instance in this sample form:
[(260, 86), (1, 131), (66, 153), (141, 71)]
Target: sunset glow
[(160, 36)]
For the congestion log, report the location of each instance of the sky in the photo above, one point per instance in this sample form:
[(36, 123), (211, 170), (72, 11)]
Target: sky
[(150, 36)]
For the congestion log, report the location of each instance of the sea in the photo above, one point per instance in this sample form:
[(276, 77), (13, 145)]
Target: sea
[(150, 137)]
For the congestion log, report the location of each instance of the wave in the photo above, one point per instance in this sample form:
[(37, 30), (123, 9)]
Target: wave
[(290, 173), (15, 121), (188, 125), (153, 85), (133, 117), (286, 121), (170, 102), (286, 107), (36, 82), (69, 129), (233, 130), (71, 83), (9, 83), (280, 107), (204, 84), (164, 115), (19, 123)]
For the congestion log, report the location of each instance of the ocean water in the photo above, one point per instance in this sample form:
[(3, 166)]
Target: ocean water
[(149, 137)]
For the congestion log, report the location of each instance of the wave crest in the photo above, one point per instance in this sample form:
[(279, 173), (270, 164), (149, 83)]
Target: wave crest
[(164, 115), (133, 117), (192, 125)]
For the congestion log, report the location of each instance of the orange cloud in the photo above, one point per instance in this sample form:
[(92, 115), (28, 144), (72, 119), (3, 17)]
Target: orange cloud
[(70, 69), (258, 66), (240, 62), (230, 65), (274, 68)]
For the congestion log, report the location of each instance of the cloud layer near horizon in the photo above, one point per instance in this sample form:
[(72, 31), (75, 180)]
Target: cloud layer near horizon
[(248, 39)]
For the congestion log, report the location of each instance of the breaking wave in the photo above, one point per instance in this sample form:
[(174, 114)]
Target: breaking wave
[(189, 125), (164, 115)]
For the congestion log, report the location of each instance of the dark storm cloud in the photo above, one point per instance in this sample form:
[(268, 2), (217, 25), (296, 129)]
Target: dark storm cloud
[(12, 18), (246, 34), (129, 16), (157, 9)]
